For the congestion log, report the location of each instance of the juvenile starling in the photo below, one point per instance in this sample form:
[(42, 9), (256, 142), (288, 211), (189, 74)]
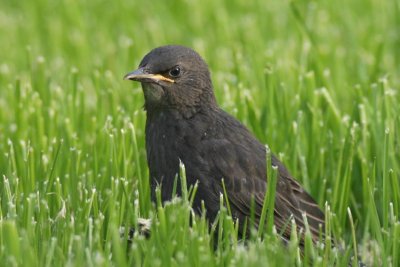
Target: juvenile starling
[(184, 123)]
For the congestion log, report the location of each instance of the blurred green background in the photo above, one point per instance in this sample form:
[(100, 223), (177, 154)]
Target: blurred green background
[(318, 81)]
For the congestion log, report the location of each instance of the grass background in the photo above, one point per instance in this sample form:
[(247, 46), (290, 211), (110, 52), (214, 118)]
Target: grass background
[(318, 81)]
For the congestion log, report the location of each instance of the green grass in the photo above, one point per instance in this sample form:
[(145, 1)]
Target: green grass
[(317, 81)]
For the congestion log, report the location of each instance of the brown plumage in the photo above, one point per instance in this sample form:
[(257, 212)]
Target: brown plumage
[(184, 123)]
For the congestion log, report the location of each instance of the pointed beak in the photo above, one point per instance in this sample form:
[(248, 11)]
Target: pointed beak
[(140, 75)]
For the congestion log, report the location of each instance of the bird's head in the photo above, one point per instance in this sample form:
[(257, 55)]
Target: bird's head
[(174, 77)]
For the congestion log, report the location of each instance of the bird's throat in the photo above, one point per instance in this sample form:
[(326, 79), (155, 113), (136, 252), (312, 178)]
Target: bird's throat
[(153, 94)]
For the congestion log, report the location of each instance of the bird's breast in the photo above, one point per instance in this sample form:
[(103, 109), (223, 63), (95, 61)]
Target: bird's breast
[(169, 140), (163, 139)]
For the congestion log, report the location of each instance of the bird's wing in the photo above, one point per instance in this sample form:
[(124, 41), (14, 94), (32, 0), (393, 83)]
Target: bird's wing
[(245, 181), (237, 157)]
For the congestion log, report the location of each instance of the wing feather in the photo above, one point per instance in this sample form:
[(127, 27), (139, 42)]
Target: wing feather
[(239, 159)]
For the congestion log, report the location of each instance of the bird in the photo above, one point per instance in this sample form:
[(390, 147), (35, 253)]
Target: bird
[(185, 124)]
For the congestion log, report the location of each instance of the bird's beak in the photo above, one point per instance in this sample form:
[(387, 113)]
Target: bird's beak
[(141, 76)]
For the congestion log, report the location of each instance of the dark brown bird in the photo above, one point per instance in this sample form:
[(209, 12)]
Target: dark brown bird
[(184, 123)]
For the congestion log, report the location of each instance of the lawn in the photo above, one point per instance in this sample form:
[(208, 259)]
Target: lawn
[(316, 81)]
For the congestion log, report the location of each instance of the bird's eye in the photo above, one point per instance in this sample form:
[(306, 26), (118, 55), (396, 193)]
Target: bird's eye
[(175, 71)]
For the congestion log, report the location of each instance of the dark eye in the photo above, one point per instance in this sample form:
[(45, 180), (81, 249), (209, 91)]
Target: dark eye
[(175, 71)]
